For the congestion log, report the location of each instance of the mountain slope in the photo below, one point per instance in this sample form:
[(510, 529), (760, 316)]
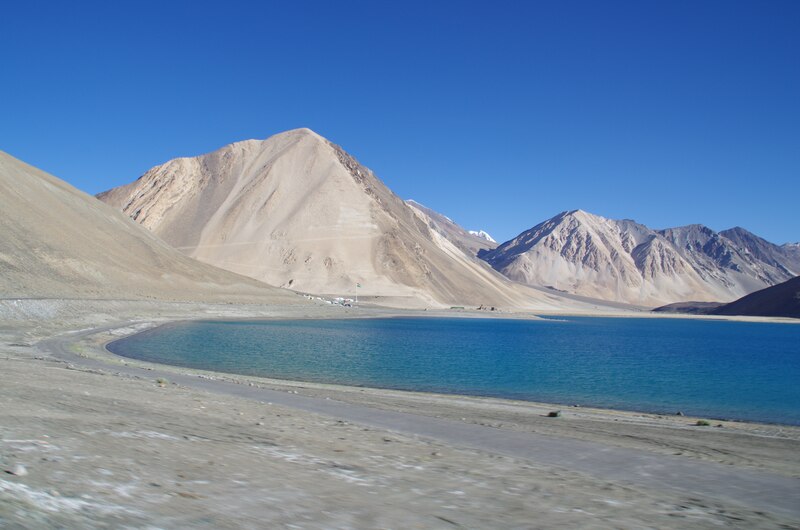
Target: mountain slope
[(297, 211), (589, 255), (784, 258), (471, 243), (622, 260), (782, 300), (56, 241), (728, 262)]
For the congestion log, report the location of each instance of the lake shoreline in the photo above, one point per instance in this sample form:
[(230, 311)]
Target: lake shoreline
[(705, 411), (297, 463)]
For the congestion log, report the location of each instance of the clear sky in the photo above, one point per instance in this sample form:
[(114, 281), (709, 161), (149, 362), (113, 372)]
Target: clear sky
[(497, 114)]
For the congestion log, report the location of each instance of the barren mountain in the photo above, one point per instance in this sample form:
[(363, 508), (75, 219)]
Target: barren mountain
[(735, 259), (468, 241), (297, 211), (56, 241), (782, 300), (590, 255), (784, 258)]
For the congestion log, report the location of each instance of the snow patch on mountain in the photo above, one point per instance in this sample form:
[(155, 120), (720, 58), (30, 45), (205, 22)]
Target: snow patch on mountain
[(483, 235)]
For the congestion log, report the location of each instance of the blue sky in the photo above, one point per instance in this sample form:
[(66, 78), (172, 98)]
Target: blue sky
[(497, 114)]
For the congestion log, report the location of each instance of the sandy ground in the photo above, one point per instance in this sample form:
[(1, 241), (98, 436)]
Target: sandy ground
[(105, 448)]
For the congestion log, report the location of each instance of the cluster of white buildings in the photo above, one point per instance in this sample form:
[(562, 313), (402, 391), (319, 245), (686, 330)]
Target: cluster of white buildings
[(346, 302)]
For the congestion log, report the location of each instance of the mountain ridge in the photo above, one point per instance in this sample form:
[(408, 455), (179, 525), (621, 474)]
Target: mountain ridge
[(298, 211), (623, 260)]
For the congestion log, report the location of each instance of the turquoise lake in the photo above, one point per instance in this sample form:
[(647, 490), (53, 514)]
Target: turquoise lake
[(714, 369)]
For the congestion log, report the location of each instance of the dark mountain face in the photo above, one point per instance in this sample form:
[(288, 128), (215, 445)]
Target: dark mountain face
[(782, 300), (702, 241)]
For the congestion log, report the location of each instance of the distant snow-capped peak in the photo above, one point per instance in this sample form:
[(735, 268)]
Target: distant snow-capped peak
[(483, 235)]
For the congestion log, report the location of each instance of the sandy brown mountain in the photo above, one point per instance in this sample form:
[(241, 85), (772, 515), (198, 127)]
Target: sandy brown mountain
[(592, 256), (297, 211), (625, 261), (56, 241)]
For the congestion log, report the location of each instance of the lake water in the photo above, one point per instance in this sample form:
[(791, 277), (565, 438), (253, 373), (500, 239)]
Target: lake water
[(715, 369)]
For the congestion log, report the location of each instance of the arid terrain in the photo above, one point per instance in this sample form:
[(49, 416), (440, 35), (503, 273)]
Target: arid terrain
[(297, 211), (426, 265), (88, 439), (106, 442)]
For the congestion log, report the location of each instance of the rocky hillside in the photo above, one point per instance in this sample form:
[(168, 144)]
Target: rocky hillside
[(735, 258), (625, 261), (592, 256)]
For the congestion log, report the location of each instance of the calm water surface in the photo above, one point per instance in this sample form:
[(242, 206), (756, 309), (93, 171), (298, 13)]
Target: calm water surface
[(716, 369)]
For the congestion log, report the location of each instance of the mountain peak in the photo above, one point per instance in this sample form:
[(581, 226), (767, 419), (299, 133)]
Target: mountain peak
[(295, 135), (738, 229), (302, 131), (741, 235), (688, 231), (483, 235), (253, 146), (582, 215), (692, 227)]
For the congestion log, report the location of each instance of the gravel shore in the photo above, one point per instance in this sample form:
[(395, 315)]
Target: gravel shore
[(88, 439)]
